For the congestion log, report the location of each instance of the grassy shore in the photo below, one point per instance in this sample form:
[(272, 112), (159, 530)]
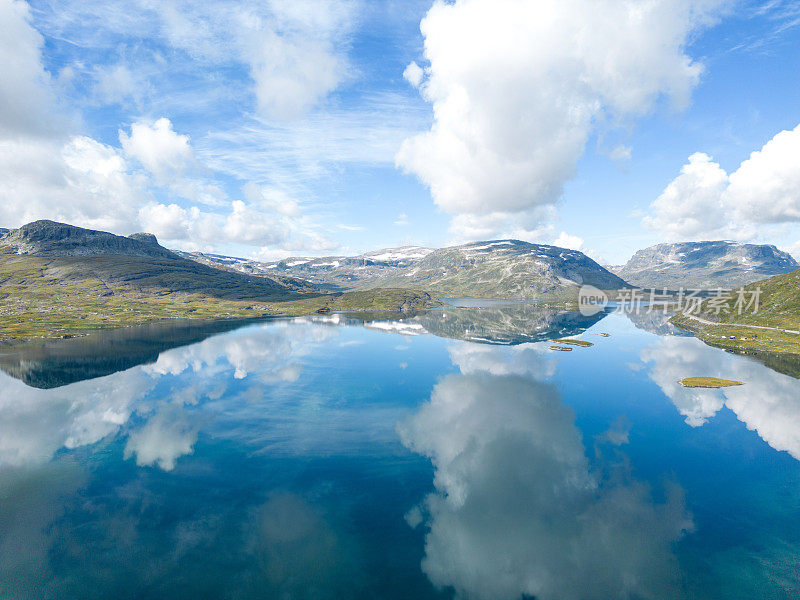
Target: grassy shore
[(50, 298), (753, 332)]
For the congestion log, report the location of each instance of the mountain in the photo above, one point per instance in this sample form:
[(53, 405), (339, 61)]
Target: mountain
[(704, 265), (48, 238), (504, 269), (491, 269), (136, 263), (328, 272), (57, 279)]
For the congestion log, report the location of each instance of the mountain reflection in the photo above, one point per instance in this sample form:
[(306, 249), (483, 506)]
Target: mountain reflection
[(519, 509), (55, 363), (154, 404), (768, 402), (52, 363)]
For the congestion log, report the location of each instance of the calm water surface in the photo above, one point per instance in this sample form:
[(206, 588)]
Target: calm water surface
[(450, 454)]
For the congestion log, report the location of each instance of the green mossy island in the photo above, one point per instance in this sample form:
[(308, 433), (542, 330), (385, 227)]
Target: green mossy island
[(581, 343), (708, 382)]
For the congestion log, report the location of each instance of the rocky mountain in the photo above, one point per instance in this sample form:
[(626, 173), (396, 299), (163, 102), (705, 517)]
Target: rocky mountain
[(328, 272), (57, 280), (491, 269), (135, 264), (48, 238), (704, 265), (504, 269)]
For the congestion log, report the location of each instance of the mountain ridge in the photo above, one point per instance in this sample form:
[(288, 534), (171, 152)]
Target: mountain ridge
[(704, 265), (492, 268)]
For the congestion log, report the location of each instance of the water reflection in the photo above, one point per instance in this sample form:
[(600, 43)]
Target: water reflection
[(519, 508), (768, 402), (266, 462), (152, 403), (52, 363)]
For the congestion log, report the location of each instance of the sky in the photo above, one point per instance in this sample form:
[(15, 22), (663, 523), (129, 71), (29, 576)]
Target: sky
[(312, 127)]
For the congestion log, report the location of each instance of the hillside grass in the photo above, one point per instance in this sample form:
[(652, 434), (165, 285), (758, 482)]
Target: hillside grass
[(779, 308), (63, 296)]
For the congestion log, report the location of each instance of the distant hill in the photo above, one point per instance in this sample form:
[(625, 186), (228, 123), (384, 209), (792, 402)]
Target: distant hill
[(137, 263), (704, 265), (328, 272), (57, 280), (504, 269), (491, 269)]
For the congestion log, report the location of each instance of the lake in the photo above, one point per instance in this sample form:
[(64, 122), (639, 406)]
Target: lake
[(448, 454)]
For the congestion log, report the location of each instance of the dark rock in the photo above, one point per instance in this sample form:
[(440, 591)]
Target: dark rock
[(146, 238)]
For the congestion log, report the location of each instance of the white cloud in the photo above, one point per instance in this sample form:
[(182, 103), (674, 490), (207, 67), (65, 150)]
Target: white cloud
[(163, 152), (254, 227), (564, 240), (766, 187), (295, 51), (26, 99), (165, 221), (79, 181), (621, 153), (691, 205), (705, 202), (517, 87), (413, 74), (271, 198), (793, 249), (118, 83)]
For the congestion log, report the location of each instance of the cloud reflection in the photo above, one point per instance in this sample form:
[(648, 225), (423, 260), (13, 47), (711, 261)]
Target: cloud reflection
[(768, 402), (35, 423), (519, 509)]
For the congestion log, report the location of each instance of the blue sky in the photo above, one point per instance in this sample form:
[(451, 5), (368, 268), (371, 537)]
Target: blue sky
[(274, 128)]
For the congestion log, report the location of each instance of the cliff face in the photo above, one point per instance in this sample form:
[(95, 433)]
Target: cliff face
[(48, 238), (137, 264), (706, 265)]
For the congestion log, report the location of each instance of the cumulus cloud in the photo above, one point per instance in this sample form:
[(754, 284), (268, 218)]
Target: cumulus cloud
[(519, 510), (163, 152), (413, 74), (517, 88), (26, 98), (565, 240), (78, 180), (705, 202)]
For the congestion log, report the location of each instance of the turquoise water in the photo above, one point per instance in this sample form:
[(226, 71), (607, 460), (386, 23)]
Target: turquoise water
[(340, 458)]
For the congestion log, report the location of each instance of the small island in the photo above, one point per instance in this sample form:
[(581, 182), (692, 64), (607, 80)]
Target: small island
[(581, 343), (708, 382)]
